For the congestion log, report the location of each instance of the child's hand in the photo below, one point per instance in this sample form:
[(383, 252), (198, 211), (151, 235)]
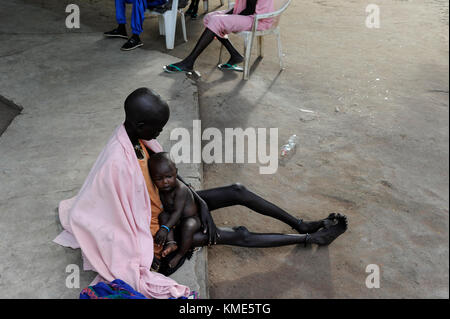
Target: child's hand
[(161, 236)]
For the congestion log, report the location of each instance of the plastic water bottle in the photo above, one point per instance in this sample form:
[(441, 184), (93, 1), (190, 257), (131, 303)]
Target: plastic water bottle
[(288, 150)]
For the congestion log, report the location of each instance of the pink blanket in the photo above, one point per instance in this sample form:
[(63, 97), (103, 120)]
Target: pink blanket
[(109, 220)]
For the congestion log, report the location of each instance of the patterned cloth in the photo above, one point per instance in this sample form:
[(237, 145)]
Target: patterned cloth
[(118, 289), (192, 295)]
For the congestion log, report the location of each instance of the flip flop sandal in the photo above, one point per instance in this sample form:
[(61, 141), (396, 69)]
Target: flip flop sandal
[(175, 69), (227, 66)]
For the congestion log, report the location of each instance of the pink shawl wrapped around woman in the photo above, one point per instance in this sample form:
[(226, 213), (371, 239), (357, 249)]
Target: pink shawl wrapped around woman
[(109, 220)]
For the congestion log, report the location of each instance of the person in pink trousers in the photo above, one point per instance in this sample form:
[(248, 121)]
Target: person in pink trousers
[(218, 25)]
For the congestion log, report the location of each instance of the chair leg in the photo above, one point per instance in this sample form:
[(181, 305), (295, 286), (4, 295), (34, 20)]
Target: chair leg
[(169, 28), (260, 46), (280, 50), (205, 5), (161, 25), (183, 25), (248, 52)]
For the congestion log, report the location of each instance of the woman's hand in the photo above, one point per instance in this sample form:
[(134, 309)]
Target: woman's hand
[(209, 227)]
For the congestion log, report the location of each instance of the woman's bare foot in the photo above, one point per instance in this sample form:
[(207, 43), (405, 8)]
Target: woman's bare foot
[(168, 249), (175, 260), (311, 227), (326, 236)]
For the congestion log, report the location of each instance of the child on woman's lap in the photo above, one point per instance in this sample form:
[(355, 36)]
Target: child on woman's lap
[(180, 209)]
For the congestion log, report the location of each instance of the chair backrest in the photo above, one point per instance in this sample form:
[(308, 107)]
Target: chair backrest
[(279, 6), (169, 5)]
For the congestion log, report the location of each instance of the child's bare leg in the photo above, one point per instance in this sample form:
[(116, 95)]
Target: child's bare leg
[(171, 246), (188, 228)]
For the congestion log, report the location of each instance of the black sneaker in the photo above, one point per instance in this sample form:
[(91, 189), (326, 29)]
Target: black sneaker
[(132, 43), (116, 33)]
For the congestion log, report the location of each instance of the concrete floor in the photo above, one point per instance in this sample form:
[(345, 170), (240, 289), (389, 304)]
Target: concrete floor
[(72, 85), (376, 149)]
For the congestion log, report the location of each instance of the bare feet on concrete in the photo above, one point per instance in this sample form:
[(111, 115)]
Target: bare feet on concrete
[(313, 226), (325, 236)]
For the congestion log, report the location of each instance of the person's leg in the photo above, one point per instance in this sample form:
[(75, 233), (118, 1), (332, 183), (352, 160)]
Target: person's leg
[(137, 20), (121, 11), (235, 56), (188, 63), (193, 9), (120, 31), (240, 236), (237, 194), (138, 16), (188, 227), (217, 25), (226, 23)]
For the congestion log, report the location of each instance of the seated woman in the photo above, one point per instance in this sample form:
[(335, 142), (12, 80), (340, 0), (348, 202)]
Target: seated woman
[(115, 214), (221, 23)]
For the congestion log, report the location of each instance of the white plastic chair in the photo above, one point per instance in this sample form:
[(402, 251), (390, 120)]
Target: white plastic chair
[(249, 36), (168, 23)]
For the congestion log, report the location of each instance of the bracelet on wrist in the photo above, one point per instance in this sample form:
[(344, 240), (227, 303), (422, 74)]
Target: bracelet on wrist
[(167, 228)]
